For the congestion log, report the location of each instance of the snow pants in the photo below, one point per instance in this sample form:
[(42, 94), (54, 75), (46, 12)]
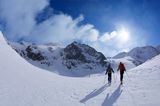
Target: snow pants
[(109, 77), (121, 76)]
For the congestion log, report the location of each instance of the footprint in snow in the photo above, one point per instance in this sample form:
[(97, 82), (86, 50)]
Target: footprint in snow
[(75, 96)]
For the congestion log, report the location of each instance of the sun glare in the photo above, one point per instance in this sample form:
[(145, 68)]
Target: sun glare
[(124, 35)]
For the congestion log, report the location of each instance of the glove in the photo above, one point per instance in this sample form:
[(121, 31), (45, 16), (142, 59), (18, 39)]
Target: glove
[(106, 73)]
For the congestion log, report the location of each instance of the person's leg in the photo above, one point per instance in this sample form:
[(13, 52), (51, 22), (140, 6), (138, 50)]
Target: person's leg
[(121, 77), (109, 77)]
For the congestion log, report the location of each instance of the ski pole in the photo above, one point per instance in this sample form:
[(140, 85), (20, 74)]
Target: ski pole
[(104, 79), (115, 74), (114, 78), (128, 76)]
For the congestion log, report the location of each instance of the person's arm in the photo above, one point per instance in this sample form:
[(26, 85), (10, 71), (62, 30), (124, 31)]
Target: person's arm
[(118, 68)]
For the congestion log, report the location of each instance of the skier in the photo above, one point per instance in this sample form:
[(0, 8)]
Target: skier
[(109, 71), (122, 68)]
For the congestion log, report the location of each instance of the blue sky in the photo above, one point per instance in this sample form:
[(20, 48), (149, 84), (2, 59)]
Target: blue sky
[(110, 26), (105, 14)]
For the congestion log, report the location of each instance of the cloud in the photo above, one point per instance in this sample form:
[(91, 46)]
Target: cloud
[(19, 23), (19, 16), (108, 36)]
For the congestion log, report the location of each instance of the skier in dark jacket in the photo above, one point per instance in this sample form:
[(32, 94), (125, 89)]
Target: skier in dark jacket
[(109, 71), (122, 68)]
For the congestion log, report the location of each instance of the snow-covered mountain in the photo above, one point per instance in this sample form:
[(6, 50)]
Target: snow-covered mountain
[(22, 84), (76, 59), (139, 54), (158, 48), (120, 55)]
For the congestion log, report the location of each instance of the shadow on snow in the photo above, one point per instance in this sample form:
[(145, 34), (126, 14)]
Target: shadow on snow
[(109, 101), (94, 93)]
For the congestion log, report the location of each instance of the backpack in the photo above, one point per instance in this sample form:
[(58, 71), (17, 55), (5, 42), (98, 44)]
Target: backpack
[(121, 67), (109, 70)]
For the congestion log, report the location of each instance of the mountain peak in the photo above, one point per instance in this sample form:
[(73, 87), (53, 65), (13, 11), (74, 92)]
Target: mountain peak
[(158, 48), (140, 54), (80, 58), (83, 53), (74, 42)]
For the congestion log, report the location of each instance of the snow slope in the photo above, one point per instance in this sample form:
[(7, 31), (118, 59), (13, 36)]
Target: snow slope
[(120, 55), (147, 84), (22, 84)]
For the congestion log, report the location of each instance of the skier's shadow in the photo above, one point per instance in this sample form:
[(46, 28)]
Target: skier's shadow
[(94, 93), (109, 101)]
